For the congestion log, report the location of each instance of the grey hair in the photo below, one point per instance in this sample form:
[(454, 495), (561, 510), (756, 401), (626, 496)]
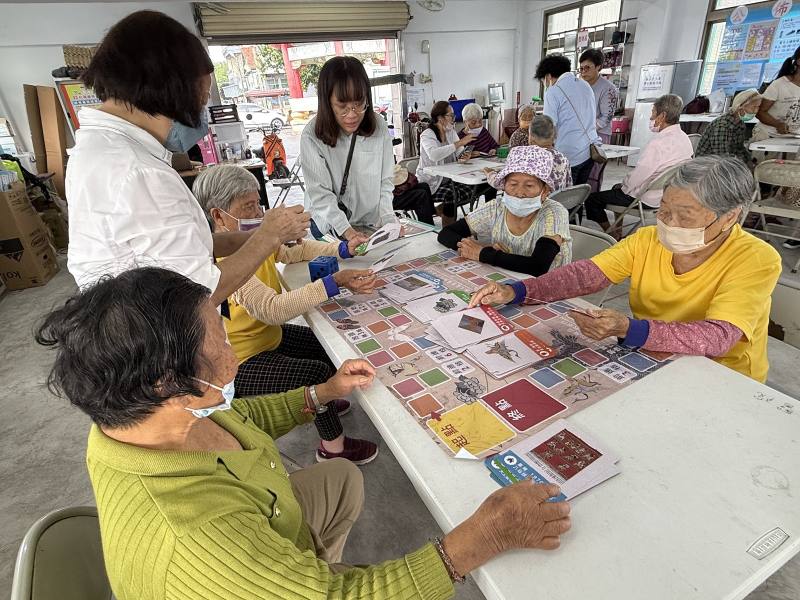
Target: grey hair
[(526, 109), (542, 128), (218, 186), (719, 183), (671, 105), (472, 110)]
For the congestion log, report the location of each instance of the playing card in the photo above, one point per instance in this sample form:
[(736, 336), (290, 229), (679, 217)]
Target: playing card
[(432, 307), (616, 372), (408, 288), (384, 235), (509, 353), (469, 327), (458, 367), (441, 355), (385, 260)]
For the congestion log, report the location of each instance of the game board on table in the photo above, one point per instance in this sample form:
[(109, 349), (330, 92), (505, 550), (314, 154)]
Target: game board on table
[(463, 407)]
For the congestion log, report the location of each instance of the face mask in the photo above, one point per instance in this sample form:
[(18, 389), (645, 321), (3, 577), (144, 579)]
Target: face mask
[(475, 130), (228, 391), (748, 117), (181, 137), (684, 240), (449, 127), (521, 207), (653, 126), (246, 224)]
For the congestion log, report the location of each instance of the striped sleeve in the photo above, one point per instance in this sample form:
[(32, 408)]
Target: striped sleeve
[(240, 556), (556, 221), (481, 221), (263, 303)]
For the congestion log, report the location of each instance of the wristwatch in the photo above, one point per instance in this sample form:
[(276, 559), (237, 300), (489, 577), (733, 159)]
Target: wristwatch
[(318, 408)]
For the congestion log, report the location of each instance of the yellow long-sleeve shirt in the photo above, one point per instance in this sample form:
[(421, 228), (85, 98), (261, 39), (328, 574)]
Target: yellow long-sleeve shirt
[(220, 525)]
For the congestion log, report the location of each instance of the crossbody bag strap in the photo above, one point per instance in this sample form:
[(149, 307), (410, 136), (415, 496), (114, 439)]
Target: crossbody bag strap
[(577, 116), (343, 187)]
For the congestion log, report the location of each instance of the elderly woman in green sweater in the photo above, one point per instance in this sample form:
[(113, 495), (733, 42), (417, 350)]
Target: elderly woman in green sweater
[(193, 499)]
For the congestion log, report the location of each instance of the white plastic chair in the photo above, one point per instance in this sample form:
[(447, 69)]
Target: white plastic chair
[(781, 173), (587, 243)]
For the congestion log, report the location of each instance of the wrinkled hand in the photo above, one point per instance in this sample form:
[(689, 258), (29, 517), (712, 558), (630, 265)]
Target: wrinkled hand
[(287, 223), (353, 374), (492, 293), (493, 152), (501, 248), (358, 281), (469, 248), (355, 241), (519, 516), (782, 128), (605, 323)]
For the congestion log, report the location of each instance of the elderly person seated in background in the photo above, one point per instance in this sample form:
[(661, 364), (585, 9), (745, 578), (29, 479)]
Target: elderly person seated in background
[(699, 283), (570, 102), (275, 356), (727, 135), (472, 114), (669, 147), (525, 115), (527, 232), (191, 492)]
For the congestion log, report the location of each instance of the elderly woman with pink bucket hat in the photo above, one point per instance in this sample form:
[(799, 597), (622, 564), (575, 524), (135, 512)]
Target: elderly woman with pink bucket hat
[(525, 231)]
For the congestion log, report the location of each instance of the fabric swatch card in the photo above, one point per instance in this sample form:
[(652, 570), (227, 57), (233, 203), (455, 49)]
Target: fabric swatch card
[(510, 353), (407, 289), (432, 307), (469, 327), (560, 454)]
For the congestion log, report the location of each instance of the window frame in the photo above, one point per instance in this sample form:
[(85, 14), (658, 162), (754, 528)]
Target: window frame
[(580, 5)]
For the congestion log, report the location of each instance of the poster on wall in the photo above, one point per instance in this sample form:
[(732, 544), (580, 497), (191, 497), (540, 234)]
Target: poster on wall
[(74, 96), (749, 75), (787, 38), (655, 80), (727, 77), (771, 71), (733, 41), (759, 40)]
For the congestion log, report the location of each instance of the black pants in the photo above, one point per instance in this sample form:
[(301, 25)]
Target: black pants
[(580, 173), (418, 199), (596, 203)]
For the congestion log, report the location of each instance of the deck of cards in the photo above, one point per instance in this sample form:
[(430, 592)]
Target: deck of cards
[(432, 307), (408, 288), (466, 328), (508, 354), (560, 454)]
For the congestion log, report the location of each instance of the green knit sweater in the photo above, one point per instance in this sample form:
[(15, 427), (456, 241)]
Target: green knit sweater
[(226, 525)]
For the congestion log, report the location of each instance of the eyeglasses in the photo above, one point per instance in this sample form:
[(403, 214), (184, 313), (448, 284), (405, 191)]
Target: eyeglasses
[(584, 68), (356, 110)]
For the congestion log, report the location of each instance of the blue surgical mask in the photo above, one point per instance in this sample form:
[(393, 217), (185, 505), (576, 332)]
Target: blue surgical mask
[(522, 207), (228, 392), (182, 137)]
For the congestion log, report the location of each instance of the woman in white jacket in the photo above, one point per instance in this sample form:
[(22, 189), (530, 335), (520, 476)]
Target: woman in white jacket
[(439, 145)]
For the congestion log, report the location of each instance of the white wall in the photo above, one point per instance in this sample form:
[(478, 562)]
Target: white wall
[(473, 43), (31, 36)]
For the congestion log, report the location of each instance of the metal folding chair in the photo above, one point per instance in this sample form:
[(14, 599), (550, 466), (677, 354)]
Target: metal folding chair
[(572, 198), (285, 185), (695, 139), (781, 173), (587, 243), (658, 183)]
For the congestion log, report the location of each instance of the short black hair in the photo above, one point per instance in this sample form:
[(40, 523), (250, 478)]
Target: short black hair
[(594, 55), (127, 344), (346, 78), (153, 63), (554, 65)]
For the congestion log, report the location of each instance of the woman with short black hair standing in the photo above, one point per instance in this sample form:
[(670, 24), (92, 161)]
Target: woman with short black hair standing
[(346, 155)]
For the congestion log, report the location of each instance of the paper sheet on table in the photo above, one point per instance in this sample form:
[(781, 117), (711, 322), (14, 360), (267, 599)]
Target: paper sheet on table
[(384, 235)]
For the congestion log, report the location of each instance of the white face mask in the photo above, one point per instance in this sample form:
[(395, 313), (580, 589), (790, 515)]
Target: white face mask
[(246, 224), (475, 130), (228, 392), (522, 207), (653, 127), (684, 240), (449, 127)]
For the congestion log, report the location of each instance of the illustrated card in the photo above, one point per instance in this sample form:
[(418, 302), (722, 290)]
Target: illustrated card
[(432, 307), (469, 327)]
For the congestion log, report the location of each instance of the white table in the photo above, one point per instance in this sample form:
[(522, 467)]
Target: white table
[(708, 467), (703, 118), (785, 145), (471, 173)]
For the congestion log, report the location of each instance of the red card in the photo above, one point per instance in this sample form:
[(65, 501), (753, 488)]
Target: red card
[(566, 454), (522, 405)]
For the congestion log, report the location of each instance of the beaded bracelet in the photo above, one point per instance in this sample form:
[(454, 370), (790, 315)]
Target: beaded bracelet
[(448, 565)]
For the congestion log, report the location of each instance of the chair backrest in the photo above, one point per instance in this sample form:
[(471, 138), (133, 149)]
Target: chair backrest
[(411, 163), (587, 243), (572, 197), (695, 139), (778, 172), (61, 558)]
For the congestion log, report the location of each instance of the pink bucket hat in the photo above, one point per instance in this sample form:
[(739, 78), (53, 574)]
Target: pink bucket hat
[(531, 160)]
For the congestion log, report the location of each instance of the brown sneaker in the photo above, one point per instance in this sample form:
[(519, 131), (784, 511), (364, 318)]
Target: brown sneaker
[(358, 452)]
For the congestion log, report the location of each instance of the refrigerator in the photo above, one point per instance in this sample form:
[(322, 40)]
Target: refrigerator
[(679, 77)]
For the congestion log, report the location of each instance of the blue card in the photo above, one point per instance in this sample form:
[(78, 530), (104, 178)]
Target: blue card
[(638, 362), (547, 377), (338, 315), (423, 342)]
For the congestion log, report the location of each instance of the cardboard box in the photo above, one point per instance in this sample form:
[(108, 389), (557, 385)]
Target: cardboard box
[(35, 124), (27, 258), (55, 134)]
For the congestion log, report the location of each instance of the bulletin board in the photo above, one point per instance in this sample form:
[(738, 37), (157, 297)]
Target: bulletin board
[(752, 52), (74, 95)]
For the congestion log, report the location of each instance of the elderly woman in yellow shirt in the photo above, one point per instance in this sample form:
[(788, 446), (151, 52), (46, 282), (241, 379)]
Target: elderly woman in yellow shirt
[(275, 356), (700, 284), (192, 496)]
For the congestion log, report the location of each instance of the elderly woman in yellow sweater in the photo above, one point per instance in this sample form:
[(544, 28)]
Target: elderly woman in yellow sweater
[(275, 356), (192, 497)]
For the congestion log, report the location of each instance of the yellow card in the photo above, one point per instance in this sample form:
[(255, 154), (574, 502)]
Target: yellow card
[(472, 427)]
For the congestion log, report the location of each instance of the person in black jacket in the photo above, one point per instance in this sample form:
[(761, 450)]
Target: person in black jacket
[(526, 232)]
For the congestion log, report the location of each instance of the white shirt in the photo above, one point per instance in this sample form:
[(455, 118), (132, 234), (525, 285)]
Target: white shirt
[(129, 208), (432, 152), (786, 107), (368, 196)]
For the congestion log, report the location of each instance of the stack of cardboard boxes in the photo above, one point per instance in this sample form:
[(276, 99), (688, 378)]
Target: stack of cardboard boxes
[(27, 257), (48, 132)]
